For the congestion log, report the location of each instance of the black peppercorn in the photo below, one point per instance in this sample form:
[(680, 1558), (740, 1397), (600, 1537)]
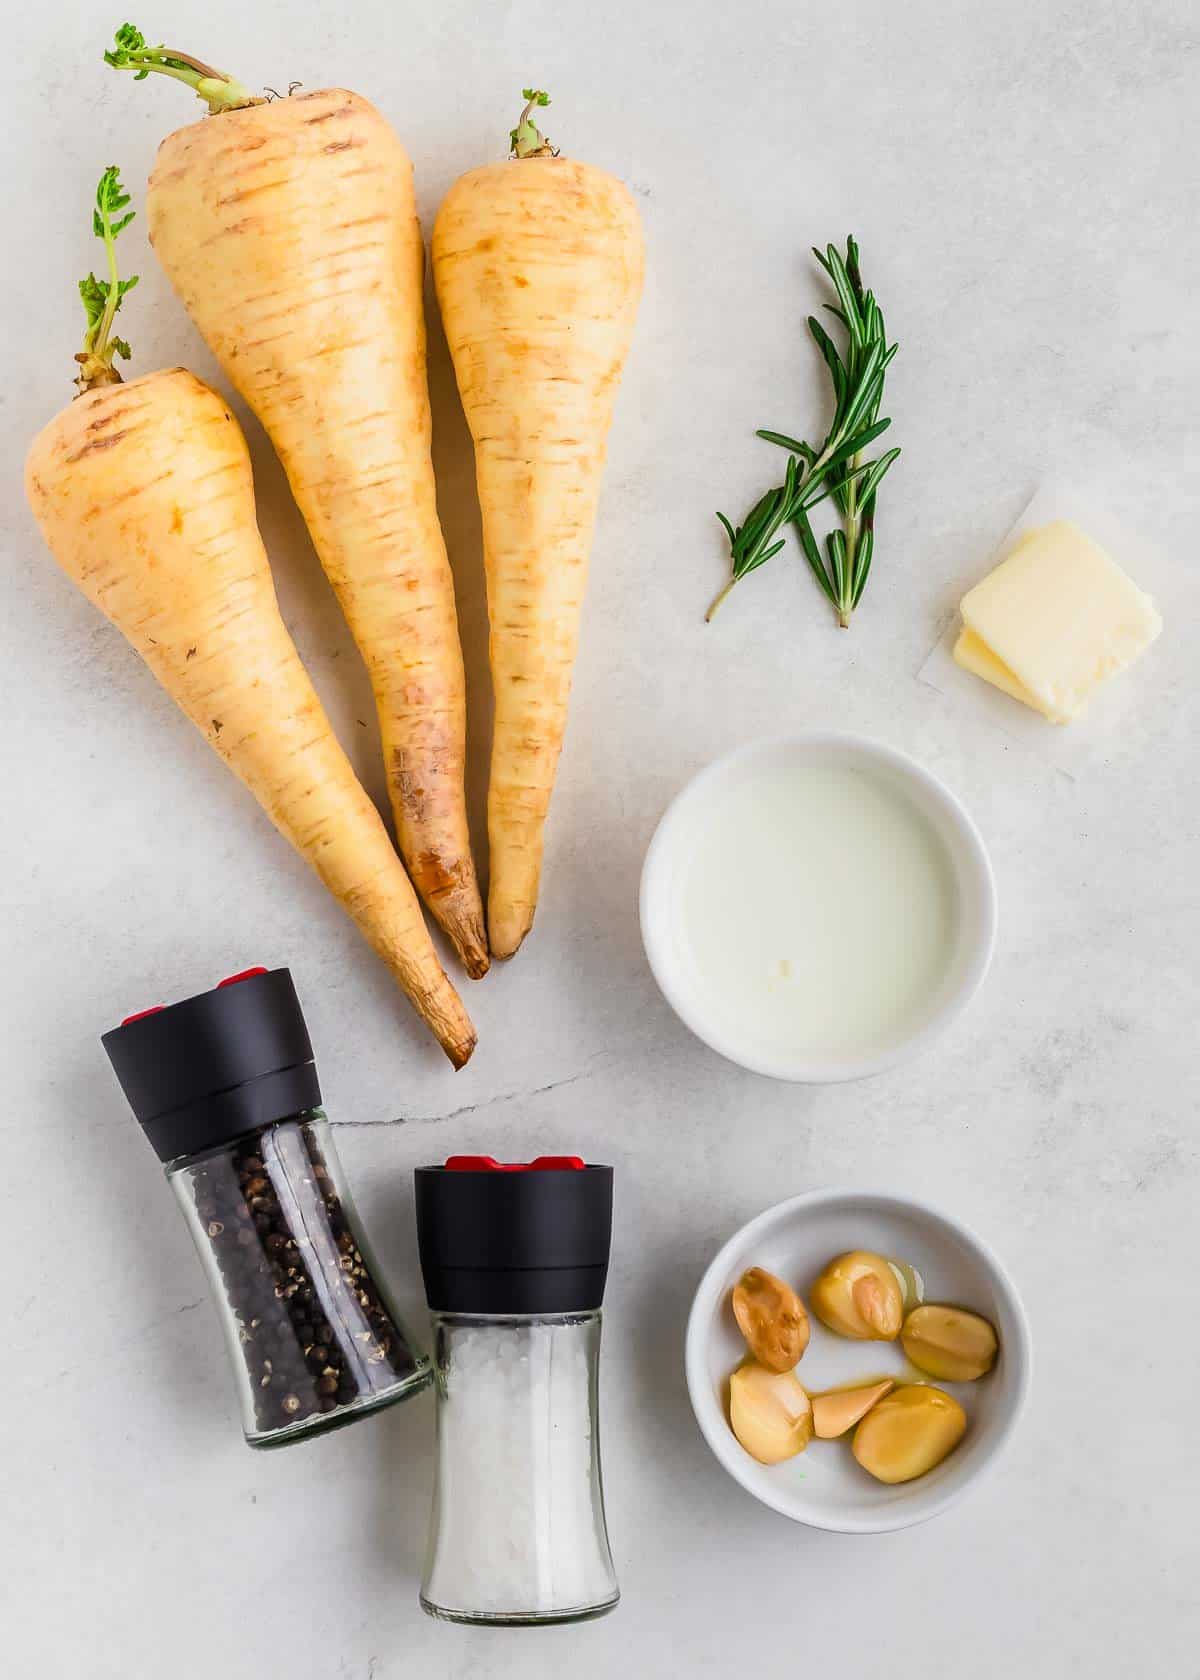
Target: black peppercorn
[(300, 1294)]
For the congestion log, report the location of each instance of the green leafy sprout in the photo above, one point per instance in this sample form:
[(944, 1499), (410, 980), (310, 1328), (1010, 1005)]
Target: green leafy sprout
[(527, 140), (839, 469), (102, 298), (217, 88)]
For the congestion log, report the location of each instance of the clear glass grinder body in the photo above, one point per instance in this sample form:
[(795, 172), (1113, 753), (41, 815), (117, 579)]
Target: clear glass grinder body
[(225, 1087), (313, 1338), (514, 1263)]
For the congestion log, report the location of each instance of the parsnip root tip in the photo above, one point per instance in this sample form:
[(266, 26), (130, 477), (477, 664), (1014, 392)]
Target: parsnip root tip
[(462, 922), (461, 1051), (507, 937)]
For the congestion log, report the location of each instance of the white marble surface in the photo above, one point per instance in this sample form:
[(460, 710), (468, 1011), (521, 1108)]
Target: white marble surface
[(1022, 180)]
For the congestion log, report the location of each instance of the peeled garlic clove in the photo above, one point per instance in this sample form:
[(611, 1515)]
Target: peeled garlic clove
[(949, 1342), (858, 1295), (771, 1317), (908, 1432), (912, 1284), (839, 1410), (770, 1413)]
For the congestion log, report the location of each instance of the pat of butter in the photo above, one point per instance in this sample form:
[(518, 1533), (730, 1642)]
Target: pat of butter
[(1053, 621)]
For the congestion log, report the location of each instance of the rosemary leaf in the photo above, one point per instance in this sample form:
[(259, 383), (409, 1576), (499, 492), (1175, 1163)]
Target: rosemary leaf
[(835, 544), (866, 549), (793, 445), (808, 545), (872, 475)]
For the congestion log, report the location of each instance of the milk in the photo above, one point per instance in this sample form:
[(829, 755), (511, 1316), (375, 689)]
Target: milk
[(814, 910)]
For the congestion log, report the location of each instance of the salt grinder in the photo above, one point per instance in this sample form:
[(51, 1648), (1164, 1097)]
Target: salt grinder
[(515, 1259)]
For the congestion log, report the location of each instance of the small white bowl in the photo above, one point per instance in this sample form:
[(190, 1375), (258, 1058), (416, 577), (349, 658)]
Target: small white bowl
[(824, 1486), (975, 904)]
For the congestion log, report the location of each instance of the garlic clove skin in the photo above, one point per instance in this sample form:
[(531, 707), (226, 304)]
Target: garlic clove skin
[(908, 1433), (949, 1343), (859, 1295), (769, 1412), (771, 1318), (836, 1412)]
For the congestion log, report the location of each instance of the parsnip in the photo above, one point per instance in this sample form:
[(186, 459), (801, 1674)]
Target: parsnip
[(538, 264), (144, 494), (289, 229)]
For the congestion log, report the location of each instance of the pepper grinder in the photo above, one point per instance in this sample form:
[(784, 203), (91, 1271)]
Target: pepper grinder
[(225, 1087), (514, 1259)]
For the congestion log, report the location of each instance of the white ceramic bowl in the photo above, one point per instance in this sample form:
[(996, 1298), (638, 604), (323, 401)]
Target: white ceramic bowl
[(824, 1486), (975, 904)]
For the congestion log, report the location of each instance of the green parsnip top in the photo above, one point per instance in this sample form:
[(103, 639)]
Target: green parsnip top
[(102, 298), (527, 140), (217, 88)]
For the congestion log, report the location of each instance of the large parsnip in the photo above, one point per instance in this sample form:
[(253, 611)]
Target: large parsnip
[(144, 493), (538, 264), (289, 229)]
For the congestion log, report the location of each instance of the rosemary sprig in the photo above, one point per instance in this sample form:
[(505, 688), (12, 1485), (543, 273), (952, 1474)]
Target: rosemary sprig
[(838, 469), (102, 298)]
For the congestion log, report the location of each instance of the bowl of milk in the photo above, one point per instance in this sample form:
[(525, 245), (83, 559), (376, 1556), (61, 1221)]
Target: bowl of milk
[(817, 907)]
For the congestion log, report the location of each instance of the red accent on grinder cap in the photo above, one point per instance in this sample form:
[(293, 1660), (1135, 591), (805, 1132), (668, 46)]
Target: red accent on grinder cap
[(141, 1014), (488, 1163)]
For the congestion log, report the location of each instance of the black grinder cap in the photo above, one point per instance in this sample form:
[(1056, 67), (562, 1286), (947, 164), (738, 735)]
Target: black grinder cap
[(202, 1072), (526, 1238)]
